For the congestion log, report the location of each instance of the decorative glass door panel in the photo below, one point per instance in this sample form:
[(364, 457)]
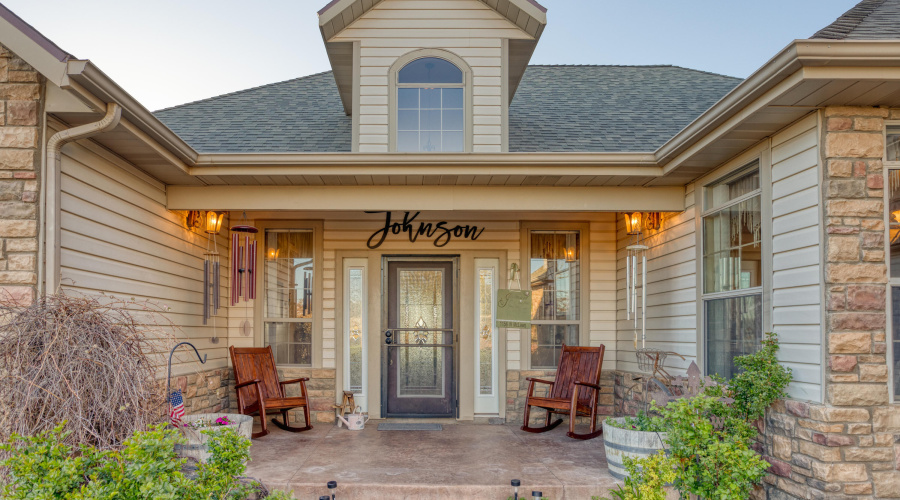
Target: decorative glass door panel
[(419, 339)]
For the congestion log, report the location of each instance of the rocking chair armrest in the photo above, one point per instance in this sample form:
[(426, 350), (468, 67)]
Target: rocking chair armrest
[(294, 381), (548, 382), (245, 384), (587, 384)]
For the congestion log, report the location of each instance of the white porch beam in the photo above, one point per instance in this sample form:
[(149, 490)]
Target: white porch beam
[(519, 198)]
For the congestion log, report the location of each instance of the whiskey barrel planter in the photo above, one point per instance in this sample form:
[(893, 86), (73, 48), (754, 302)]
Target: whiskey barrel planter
[(620, 443), (196, 446)]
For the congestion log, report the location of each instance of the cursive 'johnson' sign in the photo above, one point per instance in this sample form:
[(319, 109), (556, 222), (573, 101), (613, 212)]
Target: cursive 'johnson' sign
[(442, 232)]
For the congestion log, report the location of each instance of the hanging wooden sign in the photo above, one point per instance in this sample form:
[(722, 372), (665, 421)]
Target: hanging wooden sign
[(513, 308), (441, 232)]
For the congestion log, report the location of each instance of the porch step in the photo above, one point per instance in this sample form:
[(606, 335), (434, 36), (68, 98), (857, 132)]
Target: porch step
[(448, 492)]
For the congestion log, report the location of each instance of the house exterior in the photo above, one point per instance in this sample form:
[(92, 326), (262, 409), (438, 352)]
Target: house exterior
[(433, 171)]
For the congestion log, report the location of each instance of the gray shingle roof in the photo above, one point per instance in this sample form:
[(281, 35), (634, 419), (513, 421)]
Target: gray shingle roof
[(303, 115), (608, 108), (867, 20), (556, 108)]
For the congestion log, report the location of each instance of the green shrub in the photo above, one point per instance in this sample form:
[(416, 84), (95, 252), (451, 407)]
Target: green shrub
[(43, 467), (711, 463), (761, 381), (647, 478)]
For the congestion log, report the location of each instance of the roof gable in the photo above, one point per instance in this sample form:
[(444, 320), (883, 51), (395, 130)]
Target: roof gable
[(528, 15), (520, 21)]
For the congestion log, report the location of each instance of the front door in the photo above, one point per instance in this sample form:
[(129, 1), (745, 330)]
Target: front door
[(419, 338)]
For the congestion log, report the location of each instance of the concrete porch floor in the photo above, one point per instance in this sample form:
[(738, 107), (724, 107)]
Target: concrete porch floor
[(464, 461)]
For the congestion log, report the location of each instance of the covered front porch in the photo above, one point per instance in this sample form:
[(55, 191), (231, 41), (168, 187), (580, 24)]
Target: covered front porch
[(464, 460)]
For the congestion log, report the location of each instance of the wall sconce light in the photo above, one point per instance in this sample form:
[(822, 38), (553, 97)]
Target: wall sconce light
[(214, 221), (653, 221), (272, 253), (633, 223), (192, 220)]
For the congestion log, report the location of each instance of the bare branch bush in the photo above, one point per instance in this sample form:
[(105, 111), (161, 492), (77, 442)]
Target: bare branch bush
[(91, 361)]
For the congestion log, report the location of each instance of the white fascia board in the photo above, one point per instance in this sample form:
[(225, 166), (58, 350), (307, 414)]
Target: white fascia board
[(53, 68), (334, 9)]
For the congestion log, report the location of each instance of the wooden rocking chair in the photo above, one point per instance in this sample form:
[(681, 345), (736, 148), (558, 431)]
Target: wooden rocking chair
[(574, 392), (259, 391)]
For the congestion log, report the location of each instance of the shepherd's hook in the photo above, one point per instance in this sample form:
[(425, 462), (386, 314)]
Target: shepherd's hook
[(172, 353)]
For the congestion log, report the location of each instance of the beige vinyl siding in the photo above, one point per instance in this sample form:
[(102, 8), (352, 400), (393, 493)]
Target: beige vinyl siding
[(601, 287), (671, 290), (468, 28), (796, 267), (118, 238)]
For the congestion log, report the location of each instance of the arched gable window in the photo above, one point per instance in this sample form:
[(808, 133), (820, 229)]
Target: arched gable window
[(430, 106)]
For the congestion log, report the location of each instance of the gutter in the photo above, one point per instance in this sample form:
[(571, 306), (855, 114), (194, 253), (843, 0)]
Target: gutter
[(421, 164), (88, 80), (53, 195)]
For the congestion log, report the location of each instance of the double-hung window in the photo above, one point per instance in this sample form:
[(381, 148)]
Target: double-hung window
[(555, 267), (732, 294), (288, 308)]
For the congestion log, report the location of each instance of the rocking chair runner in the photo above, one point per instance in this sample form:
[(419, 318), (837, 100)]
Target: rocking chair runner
[(259, 391), (574, 392)]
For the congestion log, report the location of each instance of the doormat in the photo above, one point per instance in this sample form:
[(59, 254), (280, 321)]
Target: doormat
[(388, 426)]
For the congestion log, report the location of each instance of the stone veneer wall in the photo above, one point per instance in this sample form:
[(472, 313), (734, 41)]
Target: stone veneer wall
[(517, 392), (212, 391), (320, 389), (848, 447), (21, 106)]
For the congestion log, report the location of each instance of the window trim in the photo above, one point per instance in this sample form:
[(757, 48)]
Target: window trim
[(761, 154), (887, 166), (584, 229), (258, 306), (491, 264), (349, 264), (393, 85)]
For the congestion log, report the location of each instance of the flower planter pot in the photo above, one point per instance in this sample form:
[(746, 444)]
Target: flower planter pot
[(620, 443), (196, 446)]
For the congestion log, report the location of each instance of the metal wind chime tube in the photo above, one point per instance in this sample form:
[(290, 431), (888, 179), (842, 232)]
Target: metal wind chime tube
[(211, 269), (210, 286), (243, 264), (635, 259)]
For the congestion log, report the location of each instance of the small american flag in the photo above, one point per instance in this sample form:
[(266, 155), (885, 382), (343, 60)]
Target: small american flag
[(176, 403)]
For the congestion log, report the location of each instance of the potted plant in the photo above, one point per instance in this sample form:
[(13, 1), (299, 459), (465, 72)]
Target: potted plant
[(633, 438), (193, 427)]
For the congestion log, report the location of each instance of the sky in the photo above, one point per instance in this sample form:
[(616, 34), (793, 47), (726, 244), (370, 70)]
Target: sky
[(169, 52)]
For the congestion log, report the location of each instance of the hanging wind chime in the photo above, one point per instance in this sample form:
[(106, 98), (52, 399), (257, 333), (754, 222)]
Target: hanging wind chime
[(243, 267), (636, 253), (211, 268)]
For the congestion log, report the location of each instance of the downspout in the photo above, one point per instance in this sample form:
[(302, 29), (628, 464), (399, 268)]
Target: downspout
[(52, 193)]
